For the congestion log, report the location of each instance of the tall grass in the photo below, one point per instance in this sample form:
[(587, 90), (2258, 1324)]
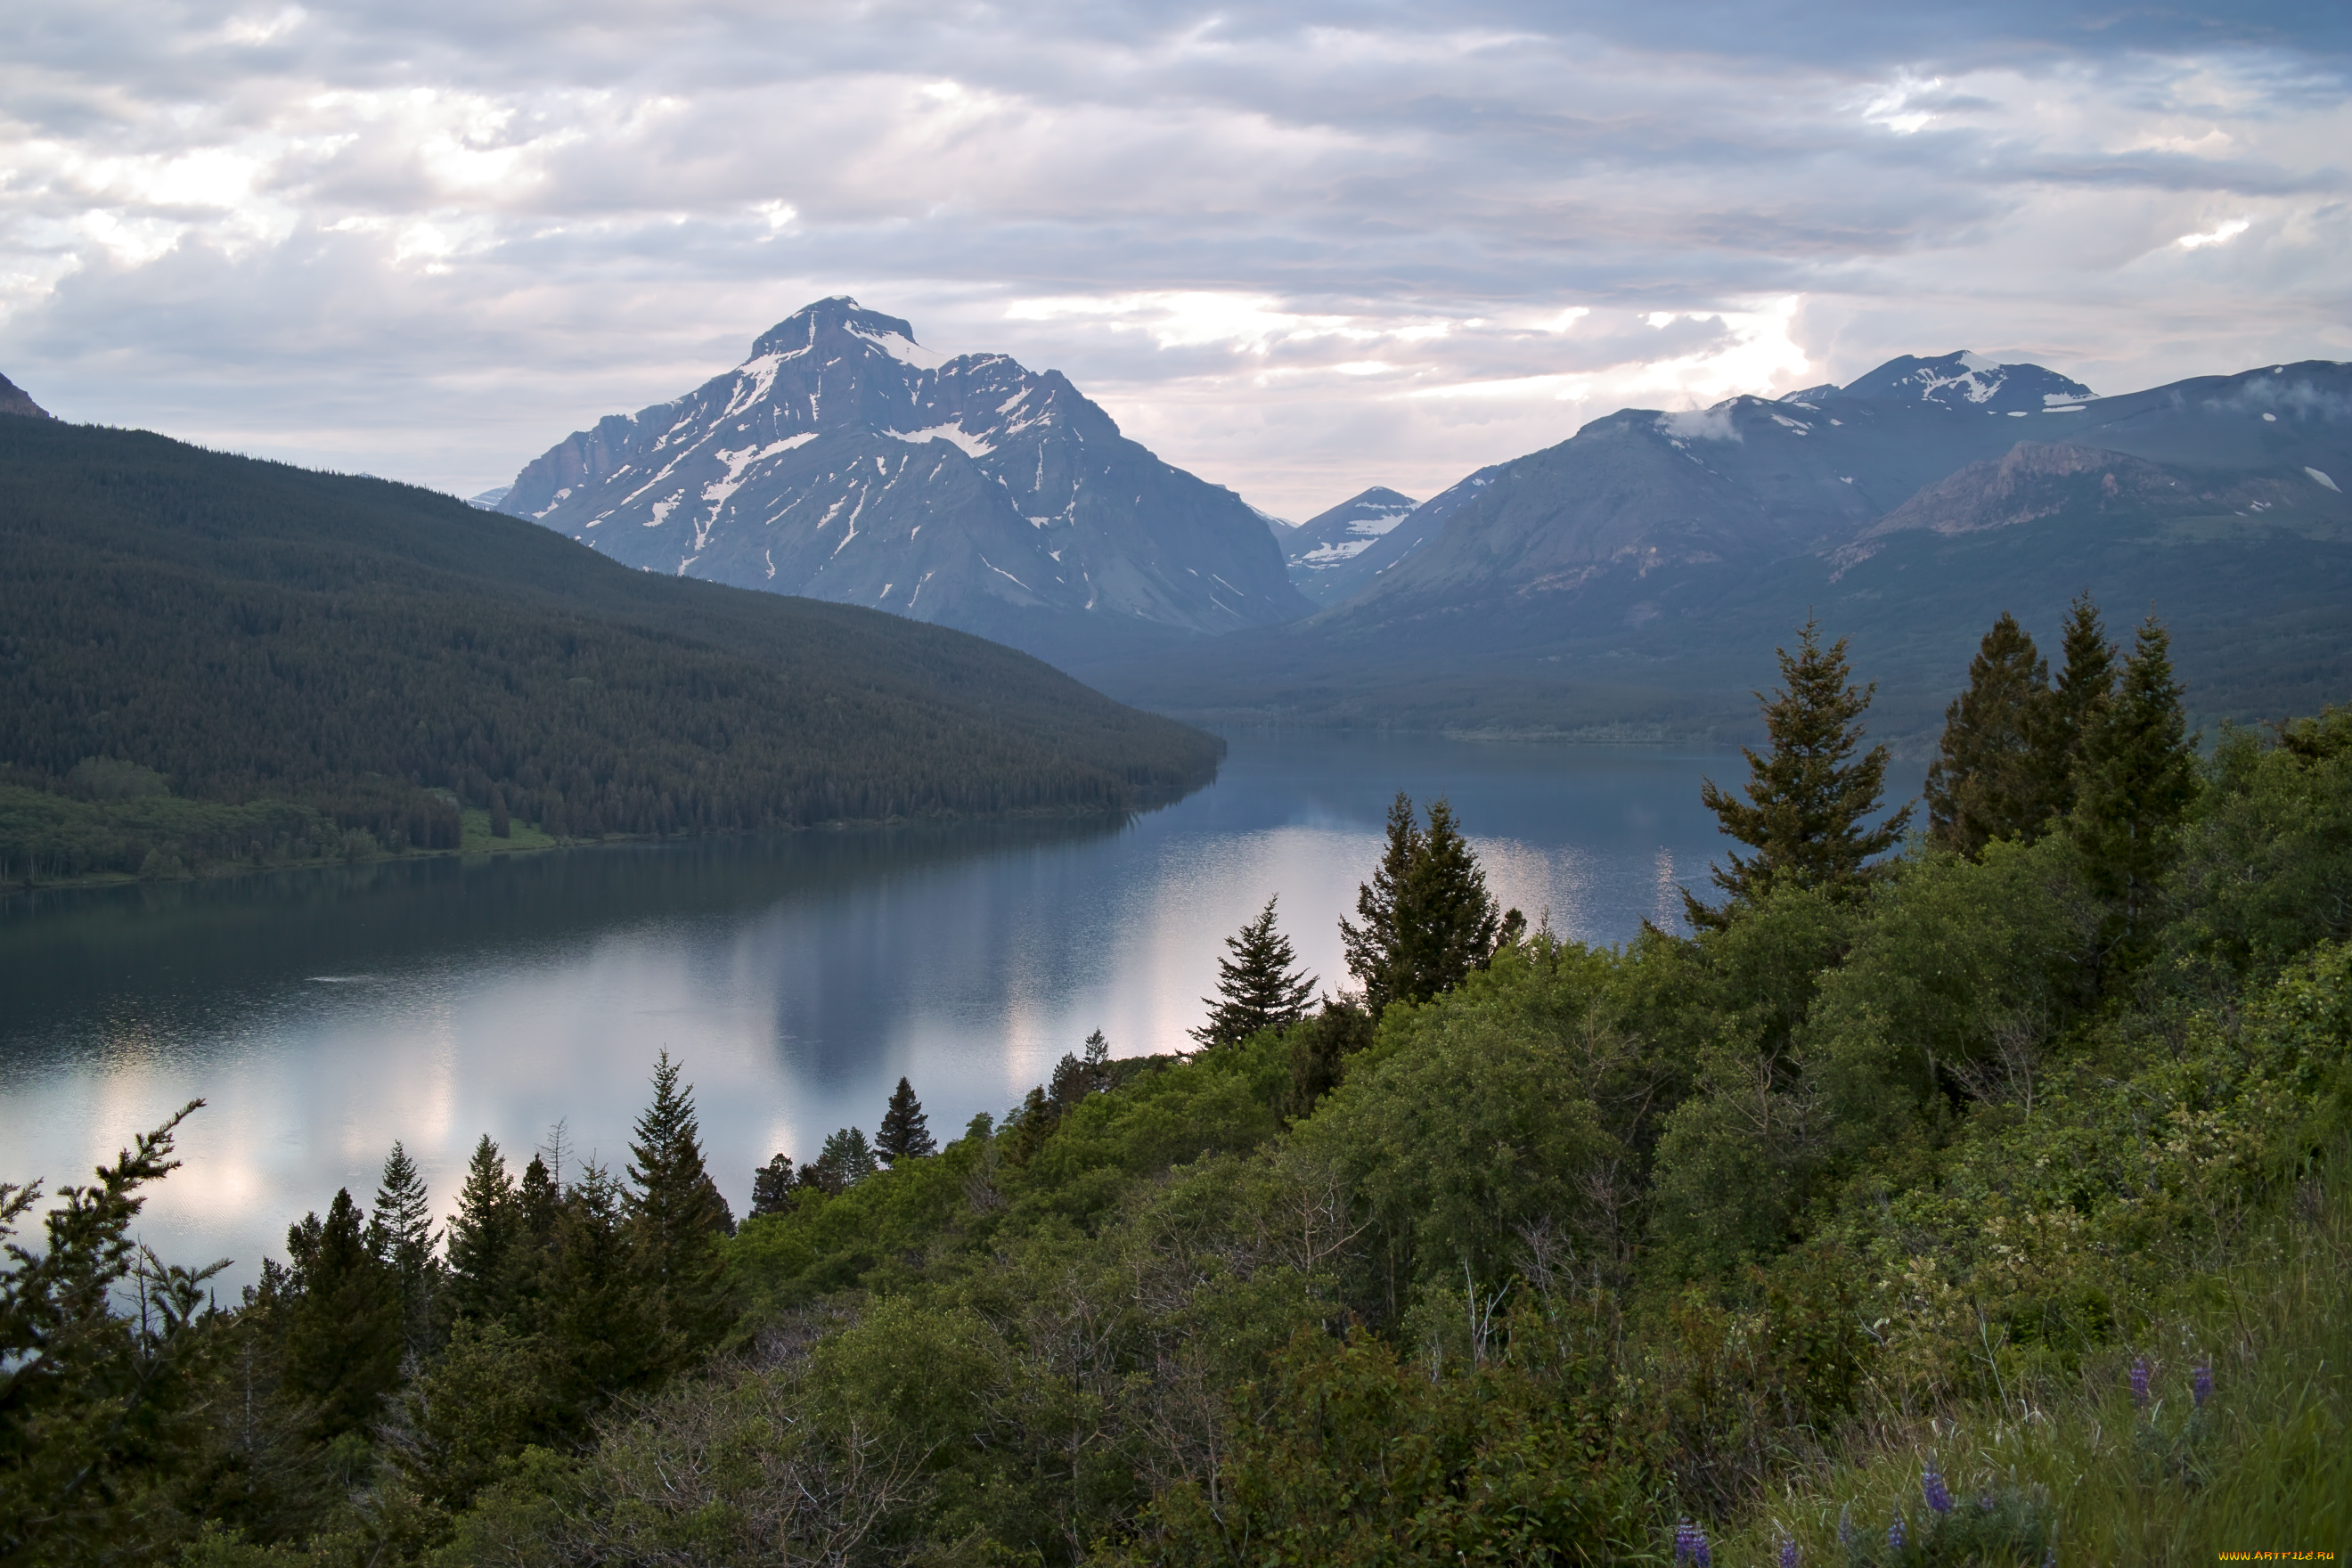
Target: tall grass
[(2264, 1466)]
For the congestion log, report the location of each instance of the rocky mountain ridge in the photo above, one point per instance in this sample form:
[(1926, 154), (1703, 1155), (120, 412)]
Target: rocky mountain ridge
[(843, 460)]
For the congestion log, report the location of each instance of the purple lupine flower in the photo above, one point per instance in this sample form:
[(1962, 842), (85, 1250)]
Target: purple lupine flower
[(2050, 1558), (1985, 1502), (1931, 1485), (1845, 1526), (1683, 1542), (1788, 1551), (1702, 1555), (2139, 1381), (1895, 1534), (2201, 1385)]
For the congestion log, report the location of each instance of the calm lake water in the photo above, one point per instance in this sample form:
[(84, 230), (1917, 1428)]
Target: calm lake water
[(322, 1015)]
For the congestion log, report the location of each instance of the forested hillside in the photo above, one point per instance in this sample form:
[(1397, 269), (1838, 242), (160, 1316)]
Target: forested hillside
[(210, 658), (1981, 1202)]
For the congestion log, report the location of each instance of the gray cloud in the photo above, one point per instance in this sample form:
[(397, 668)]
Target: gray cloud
[(1299, 248)]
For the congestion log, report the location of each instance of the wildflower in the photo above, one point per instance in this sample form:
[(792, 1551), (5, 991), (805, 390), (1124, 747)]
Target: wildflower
[(1845, 1526), (1685, 1544), (1895, 1534), (2139, 1381), (2201, 1385), (1984, 1503), (1931, 1485), (1788, 1551)]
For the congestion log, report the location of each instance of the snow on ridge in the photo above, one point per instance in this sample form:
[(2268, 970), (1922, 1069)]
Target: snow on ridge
[(1701, 424), (906, 350), (739, 463), (974, 446), (753, 378)]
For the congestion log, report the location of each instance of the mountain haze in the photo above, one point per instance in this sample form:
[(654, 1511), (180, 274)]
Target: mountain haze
[(1636, 577), (842, 460)]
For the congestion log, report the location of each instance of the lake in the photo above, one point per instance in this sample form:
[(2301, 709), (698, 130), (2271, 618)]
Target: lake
[(323, 1014)]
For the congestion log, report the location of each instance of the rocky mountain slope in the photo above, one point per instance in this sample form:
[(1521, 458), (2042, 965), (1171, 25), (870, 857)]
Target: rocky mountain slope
[(1315, 550), (14, 400), (842, 460), (1636, 577)]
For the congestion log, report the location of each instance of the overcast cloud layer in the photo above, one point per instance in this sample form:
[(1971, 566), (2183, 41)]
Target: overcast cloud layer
[(1298, 250)]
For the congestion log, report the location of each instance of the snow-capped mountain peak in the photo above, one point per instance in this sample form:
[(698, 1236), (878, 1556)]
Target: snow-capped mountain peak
[(844, 460)]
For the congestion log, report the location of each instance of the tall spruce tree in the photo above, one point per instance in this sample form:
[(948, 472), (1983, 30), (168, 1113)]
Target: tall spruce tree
[(771, 1186), (845, 1160), (1260, 987), (2086, 678), (341, 1323), (603, 1317), (905, 1132), (2135, 782), (1428, 919), (1810, 798), (1990, 778), (484, 1237), (402, 1235), (677, 1217)]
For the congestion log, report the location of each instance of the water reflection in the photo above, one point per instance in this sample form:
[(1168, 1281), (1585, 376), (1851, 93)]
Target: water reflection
[(324, 1013)]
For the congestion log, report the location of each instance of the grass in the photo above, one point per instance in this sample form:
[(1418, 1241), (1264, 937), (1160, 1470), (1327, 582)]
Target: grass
[(477, 840), (2265, 1467)]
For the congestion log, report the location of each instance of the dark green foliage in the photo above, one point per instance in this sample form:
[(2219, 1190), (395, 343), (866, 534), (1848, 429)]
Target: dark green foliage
[(1258, 987), (1428, 920), (905, 1132), (772, 1186), (2266, 861), (2135, 782), (340, 1323), (846, 1160), (1809, 799), (101, 1416), (1991, 777), (338, 656), (676, 1219), (1319, 1046), (486, 1237), (2084, 682), (402, 1235)]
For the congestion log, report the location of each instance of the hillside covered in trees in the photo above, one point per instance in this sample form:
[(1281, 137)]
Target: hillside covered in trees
[(207, 659), (1981, 1202)]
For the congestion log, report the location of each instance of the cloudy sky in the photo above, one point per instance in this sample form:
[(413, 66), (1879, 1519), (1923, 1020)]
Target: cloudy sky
[(1296, 248)]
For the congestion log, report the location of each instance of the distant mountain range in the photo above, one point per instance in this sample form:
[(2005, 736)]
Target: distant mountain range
[(1636, 578), (842, 460)]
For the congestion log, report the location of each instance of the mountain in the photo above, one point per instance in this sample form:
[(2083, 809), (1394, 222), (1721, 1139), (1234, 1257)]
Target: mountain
[(1337, 577), (842, 460), (14, 400), (487, 500), (243, 631), (1636, 578), (1315, 549)]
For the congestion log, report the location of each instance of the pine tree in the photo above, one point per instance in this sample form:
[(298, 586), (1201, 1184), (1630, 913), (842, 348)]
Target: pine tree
[(342, 1322), (601, 1318), (1428, 920), (846, 1160), (1371, 947), (401, 1234), (1989, 779), (905, 1133), (1810, 800), (2085, 682), (2135, 780), (483, 1236), (676, 1219), (772, 1186), (1259, 988)]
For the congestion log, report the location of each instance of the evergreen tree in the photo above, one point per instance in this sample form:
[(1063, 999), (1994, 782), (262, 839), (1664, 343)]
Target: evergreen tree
[(676, 1218), (484, 1237), (2084, 683), (1809, 799), (600, 1317), (1991, 778), (1371, 948), (846, 1160), (343, 1327), (1428, 919), (2135, 780), (401, 1234), (905, 1133), (1259, 988), (772, 1186), (538, 1204)]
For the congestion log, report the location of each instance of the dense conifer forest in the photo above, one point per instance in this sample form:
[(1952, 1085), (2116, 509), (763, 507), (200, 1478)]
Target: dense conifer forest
[(1981, 1202), (210, 659)]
